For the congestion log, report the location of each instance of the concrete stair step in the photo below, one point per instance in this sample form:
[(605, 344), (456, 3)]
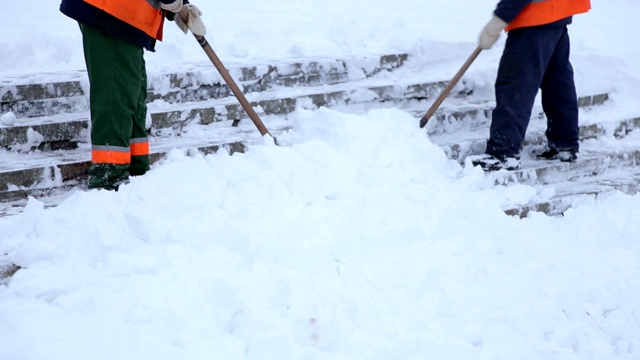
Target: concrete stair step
[(42, 132), (71, 128), (6, 272), (28, 174), (594, 174), (66, 130), (51, 176), (50, 151), (462, 143), (43, 169), (590, 163), (67, 93), (569, 194)]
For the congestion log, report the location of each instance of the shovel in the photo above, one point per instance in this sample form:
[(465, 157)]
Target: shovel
[(449, 87), (230, 82)]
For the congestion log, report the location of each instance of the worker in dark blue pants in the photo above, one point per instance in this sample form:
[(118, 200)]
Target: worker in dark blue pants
[(536, 56)]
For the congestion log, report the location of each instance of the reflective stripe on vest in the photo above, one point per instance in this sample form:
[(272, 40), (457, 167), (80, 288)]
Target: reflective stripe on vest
[(139, 146), (137, 13), (540, 12), (104, 154)]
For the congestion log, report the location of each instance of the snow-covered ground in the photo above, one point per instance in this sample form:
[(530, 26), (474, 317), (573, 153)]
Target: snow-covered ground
[(356, 239)]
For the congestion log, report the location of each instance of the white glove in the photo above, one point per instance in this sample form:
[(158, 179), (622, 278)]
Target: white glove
[(491, 32), (174, 7), (189, 19)]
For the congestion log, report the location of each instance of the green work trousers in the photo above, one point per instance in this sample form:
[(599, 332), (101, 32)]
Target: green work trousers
[(117, 99)]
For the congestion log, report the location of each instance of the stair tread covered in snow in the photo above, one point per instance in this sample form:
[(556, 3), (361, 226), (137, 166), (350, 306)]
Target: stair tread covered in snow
[(47, 150)]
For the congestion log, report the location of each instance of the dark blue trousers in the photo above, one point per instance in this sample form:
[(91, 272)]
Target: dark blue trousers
[(534, 58)]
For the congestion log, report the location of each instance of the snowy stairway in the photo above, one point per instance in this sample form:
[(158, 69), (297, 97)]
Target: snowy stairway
[(58, 111), (599, 171), (596, 173), (47, 145), (59, 163), (53, 117), (47, 150), (569, 193)]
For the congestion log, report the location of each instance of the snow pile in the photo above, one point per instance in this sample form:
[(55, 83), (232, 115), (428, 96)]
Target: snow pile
[(357, 239), (8, 119)]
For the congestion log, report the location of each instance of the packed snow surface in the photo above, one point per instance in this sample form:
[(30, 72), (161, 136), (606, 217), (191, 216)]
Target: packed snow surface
[(356, 238)]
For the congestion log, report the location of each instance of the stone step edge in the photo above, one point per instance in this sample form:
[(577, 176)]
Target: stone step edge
[(66, 170), (483, 114), (32, 180), (213, 111), (229, 105), (552, 207), (545, 172), (31, 175), (558, 205), (72, 172), (623, 127), (182, 93), (71, 130), (7, 271), (260, 76)]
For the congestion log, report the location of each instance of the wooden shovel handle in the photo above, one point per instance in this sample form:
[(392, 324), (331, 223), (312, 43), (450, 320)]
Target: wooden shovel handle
[(232, 84), (436, 104)]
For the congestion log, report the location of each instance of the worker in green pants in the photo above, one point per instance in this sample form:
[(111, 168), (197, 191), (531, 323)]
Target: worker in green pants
[(115, 34), (120, 146)]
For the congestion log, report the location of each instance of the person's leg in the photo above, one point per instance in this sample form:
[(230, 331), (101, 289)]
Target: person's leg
[(114, 69), (520, 74), (139, 143), (559, 99)]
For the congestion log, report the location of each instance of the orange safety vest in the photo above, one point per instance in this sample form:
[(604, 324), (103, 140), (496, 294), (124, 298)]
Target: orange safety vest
[(137, 13), (540, 12)]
